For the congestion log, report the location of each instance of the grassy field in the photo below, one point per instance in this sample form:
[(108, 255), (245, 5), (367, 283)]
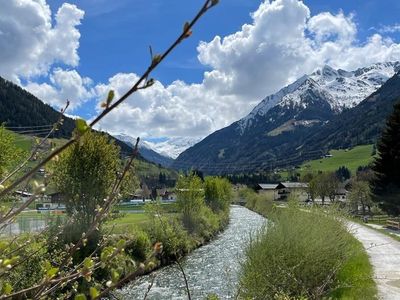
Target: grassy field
[(23, 142), (144, 168), (128, 223), (352, 159)]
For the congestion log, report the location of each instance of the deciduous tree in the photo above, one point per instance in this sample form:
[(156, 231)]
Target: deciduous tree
[(360, 195), (85, 176)]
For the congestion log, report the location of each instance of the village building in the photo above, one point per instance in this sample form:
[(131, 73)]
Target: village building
[(268, 189), (341, 195), (281, 191)]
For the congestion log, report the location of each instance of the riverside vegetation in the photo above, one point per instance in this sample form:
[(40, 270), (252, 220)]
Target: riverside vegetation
[(303, 254), (85, 174), (87, 263)]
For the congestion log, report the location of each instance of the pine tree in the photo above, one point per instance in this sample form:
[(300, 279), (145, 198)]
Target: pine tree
[(386, 184)]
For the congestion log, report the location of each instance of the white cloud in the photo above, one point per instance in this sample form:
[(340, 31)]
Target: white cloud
[(158, 111), (30, 43), (64, 85), (327, 27), (282, 43), (389, 28)]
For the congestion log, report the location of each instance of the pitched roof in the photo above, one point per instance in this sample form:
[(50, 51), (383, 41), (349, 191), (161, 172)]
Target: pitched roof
[(268, 186), (294, 185)]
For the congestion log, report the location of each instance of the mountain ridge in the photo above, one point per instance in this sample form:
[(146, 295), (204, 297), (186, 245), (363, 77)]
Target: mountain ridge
[(291, 131), (146, 151)]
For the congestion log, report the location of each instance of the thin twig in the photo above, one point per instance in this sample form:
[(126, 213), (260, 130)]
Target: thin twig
[(184, 277), (149, 287), (208, 4)]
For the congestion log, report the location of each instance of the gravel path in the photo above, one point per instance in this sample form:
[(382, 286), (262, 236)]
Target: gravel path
[(384, 253)]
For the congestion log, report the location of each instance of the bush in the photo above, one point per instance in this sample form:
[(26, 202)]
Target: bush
[(297, 256), (174, 238), (261, 203), (207, 223), (29, 269), (190, 199), (218, 193), (138, 244)]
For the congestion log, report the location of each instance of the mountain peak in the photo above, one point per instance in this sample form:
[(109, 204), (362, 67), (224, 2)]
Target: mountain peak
[(328, 71), (339, 88)]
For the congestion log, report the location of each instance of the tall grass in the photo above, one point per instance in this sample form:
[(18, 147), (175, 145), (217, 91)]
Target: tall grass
[(304, 255)]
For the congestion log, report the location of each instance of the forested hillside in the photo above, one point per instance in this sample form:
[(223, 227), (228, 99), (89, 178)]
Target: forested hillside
[(18, 108), (24, 113)]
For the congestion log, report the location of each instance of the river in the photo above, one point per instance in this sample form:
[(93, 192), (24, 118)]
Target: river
[(211, 269)]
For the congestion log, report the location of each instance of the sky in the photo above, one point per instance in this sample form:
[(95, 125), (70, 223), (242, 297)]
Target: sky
[(239, 53)]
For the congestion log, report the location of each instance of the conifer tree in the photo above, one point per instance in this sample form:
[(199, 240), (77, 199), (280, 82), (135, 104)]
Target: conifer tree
[(386, 184)]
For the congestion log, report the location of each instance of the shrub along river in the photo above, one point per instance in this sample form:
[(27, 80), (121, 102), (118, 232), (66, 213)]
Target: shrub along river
[(211, 269)]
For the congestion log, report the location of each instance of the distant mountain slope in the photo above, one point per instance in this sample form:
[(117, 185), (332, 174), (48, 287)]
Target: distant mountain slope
[(24, 113), (173, 146), (359, 125), (302, 121), (146, 151)]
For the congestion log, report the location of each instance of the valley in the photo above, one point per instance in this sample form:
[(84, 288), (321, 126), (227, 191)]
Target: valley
[(206, 151)]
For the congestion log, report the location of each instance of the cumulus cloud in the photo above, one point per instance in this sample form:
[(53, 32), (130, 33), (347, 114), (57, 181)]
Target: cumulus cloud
[(30, 43), (337, 28), (158, 111), (64, 85), (282, 43)]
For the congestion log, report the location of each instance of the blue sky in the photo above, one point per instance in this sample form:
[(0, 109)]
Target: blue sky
[(116, 35), (81, 51)]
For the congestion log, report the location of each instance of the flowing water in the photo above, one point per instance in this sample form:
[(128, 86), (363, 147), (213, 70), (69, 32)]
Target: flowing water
[(211, 269)]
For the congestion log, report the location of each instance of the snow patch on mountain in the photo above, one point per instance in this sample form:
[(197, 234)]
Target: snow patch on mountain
[(170, 148), (340, 88), (350, 88), (173, 146)]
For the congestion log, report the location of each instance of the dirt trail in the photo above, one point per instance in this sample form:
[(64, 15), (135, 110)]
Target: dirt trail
[(384, 253)]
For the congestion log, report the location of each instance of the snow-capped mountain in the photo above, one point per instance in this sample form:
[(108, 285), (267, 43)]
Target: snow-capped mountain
[(146, 150), (340, 89), (163, 152), (328, 108), (173, 146)]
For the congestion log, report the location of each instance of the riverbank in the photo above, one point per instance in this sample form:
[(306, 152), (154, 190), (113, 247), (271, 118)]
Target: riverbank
[(305, 254), (212, 269), (140, 245)]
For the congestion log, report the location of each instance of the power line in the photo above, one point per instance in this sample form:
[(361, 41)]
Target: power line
[(28, 127), (33, 132)]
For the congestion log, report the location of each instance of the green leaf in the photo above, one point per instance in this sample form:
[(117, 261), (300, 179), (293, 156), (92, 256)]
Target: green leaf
[(121, 244), (3, 245), (106, 253), (114, 275), (156, 59), (110, 96), (80, 297), (81, 126), (88, 263), (94, 293), (7, 288), (52, 272)]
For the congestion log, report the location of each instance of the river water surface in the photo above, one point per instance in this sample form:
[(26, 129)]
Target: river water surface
[(211, 269)]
